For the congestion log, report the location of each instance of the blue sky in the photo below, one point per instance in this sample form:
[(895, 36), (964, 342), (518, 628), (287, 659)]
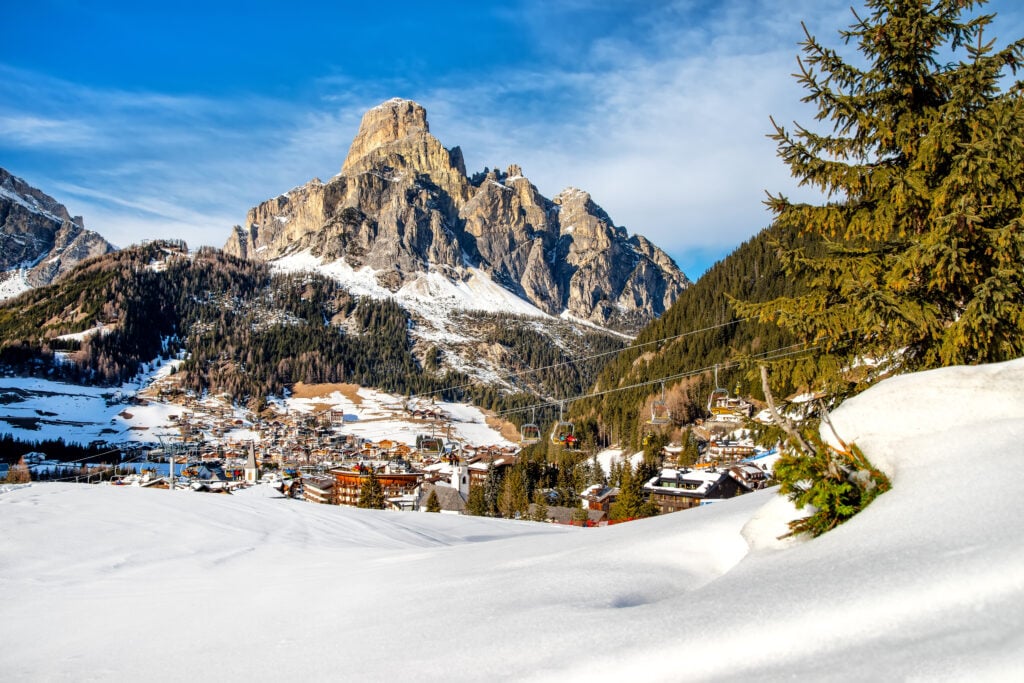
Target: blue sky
[(173, 119)]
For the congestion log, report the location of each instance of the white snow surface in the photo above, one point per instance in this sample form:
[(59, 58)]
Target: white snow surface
[(15, 283), (121, 583), (36, 409), (430, 293)]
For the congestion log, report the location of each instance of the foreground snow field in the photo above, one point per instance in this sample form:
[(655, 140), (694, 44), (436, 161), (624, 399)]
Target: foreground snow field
[(107, 583)]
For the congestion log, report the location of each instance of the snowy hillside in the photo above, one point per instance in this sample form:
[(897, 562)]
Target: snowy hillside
[(35, 409), (928, 583), (431, 294)]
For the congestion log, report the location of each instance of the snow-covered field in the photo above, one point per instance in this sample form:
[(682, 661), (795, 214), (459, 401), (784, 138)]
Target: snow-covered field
[(120, 583), (33, 409)]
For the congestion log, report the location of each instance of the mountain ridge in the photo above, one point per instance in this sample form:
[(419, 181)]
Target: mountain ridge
[(39, 239), (403, 206)]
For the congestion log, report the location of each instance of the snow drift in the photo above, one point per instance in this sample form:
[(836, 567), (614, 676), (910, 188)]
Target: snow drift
[(928, 582)]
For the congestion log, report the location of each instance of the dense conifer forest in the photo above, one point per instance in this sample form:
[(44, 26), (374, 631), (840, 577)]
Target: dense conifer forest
[(701, 329)]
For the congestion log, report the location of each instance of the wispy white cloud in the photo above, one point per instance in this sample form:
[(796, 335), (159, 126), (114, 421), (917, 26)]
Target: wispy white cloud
[(29, 131), (669, 137), (658, 108)]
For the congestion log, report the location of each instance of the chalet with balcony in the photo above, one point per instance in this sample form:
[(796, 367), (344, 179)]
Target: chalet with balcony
[(348, 483), (673, 490), (318, 489)]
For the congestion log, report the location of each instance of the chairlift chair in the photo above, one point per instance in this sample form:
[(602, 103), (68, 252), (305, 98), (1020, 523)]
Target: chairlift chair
[(660, 414), (431, 445), (562, 432), (718, 401), (529, 433)]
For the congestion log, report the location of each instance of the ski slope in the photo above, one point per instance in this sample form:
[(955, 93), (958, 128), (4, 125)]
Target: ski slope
[(121, 583)]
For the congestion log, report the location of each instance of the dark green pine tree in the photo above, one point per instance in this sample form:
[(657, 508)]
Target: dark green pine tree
[(433, 504), (476, 502), (630, 503), (924, 173), (514, 501), (492, 490), (371, 493), (540, 506)]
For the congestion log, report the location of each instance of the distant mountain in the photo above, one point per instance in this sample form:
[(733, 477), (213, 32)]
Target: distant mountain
[(39, 240), (404, 219)]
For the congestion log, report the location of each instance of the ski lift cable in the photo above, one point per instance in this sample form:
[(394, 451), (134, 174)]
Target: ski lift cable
[(573, 361), (772, 354)]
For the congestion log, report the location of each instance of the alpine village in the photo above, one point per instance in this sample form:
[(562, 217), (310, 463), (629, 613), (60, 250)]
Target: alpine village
[(415, 337)]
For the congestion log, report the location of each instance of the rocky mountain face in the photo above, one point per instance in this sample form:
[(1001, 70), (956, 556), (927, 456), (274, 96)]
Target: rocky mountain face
[(39, 240), (403, 206)]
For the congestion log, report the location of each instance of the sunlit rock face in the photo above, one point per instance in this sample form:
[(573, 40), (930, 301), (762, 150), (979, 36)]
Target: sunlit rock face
[(403, 206), (39, 240)]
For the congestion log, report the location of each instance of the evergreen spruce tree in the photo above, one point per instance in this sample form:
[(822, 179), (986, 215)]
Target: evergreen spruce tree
[(595, 473), (371, 493), (631, 502), (492, 490), (924, 174), (433, 504), (690, 453), (540, 506), (514, 502), (476, 503)]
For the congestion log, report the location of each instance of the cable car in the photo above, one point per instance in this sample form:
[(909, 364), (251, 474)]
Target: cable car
[(660, 414)]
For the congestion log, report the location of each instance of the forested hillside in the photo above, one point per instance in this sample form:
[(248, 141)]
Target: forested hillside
[(699, 331), (249, 333)]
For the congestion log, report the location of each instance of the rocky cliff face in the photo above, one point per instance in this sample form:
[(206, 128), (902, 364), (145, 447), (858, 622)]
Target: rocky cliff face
[(403, 206), (39, 240)]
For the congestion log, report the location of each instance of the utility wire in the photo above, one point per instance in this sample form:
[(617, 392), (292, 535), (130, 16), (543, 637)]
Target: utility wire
[(573, 361), (773, 354)]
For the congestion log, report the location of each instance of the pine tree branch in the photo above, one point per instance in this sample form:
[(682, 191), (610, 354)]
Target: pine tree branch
[(784, 423)]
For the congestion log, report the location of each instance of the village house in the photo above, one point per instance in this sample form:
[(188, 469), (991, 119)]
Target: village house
[(318, 489), (501, 460), (750, 476), (672, 490), (599, 497), (729, 450), (451, 500)]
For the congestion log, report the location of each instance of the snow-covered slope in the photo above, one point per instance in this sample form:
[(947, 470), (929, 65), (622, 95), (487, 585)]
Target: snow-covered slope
[(34, 409), (430, 294), (928, 583)]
